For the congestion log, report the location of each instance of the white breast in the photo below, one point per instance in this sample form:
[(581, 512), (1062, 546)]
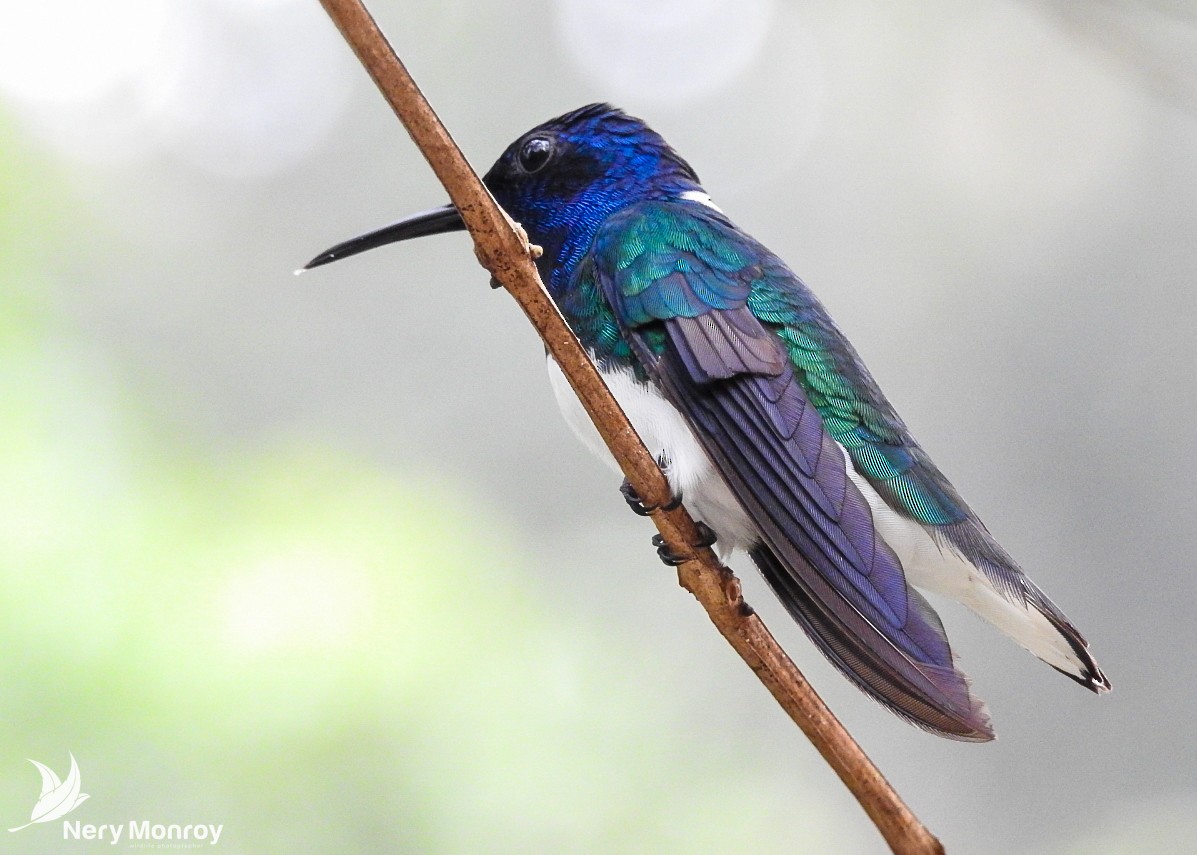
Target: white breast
[(665, 433)]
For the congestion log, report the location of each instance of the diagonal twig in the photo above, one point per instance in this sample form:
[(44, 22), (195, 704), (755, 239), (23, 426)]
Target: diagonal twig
[(502, 248)]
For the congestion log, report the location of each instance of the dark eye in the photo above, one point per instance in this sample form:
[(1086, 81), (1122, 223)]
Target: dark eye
[(535, 153)]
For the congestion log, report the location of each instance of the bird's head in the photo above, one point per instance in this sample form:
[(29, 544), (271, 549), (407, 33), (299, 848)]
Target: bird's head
[(560, 180)]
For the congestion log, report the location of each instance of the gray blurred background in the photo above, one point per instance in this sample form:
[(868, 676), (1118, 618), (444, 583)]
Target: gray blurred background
[(316, 559)]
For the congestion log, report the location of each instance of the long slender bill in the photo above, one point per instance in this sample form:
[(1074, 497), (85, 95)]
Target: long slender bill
[(434, 222)]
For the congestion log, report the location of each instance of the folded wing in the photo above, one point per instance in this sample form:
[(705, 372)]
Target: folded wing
[(677, 278)]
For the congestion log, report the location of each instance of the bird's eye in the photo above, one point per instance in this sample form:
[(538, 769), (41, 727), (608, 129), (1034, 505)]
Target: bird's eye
[(535, 153)]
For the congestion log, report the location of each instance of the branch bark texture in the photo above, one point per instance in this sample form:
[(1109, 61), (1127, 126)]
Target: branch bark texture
[(502, 248)]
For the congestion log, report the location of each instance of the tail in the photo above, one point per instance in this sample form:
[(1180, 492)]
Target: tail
[(913, 690), (963, 562), (1088, 674), (1029, 617)]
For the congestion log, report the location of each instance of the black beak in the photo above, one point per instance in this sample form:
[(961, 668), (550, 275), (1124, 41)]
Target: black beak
[(432, 222)]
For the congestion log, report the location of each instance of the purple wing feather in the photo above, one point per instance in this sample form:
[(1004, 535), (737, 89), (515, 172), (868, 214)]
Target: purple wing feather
[(822, 555)]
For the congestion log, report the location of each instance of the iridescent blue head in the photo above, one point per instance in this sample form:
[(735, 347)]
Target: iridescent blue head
[(563, 178), (560, 180)]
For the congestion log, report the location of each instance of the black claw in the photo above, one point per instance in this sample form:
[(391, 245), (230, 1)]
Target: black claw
[(676, 502), (706, 536), (633, 499), (671, 558), (667, 555), (637, 504)]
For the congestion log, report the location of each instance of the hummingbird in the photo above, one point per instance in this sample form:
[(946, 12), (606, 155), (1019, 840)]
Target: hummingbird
[(762, 414)]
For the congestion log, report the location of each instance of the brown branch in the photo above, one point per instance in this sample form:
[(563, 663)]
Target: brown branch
[(502, 248)]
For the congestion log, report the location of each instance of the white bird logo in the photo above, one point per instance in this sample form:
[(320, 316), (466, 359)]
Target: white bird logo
[(58, 798)]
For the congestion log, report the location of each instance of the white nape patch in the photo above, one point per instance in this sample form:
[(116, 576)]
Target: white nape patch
[(701, 198), (664, 431), (940, 568)]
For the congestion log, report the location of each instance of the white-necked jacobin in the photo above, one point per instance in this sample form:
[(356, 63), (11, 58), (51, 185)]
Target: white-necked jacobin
[(763, 415)]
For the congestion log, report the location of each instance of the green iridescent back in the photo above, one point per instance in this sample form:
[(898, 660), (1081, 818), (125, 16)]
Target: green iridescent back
[(683, 259)]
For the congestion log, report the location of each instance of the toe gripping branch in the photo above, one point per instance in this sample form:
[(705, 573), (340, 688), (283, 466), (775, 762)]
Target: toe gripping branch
[(637, 504), (706, 538)]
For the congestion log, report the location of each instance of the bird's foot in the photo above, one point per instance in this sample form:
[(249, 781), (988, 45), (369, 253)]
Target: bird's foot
[(667, 555), (706, 537), (637, 504)]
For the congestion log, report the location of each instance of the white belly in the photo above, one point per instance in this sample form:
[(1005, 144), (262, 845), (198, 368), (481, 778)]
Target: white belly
[(665, 434)]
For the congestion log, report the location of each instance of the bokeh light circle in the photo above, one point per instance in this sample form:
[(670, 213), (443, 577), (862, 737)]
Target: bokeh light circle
[(665, 50)]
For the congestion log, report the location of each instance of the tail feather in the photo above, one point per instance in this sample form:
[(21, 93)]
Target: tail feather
[(963, 562), (1081, 667), (914, 691), (997, 589)]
